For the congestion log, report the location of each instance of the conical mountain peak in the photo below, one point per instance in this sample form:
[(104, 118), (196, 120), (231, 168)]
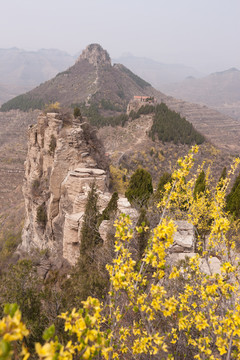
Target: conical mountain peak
[(93, 80)]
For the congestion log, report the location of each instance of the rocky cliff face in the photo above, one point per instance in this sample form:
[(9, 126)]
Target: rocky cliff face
[(58, 171), (95, 55), (64, 159)]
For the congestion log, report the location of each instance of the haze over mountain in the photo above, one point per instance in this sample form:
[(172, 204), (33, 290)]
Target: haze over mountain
[(22, 70), (220, 90), (94, 80), (157, 73)]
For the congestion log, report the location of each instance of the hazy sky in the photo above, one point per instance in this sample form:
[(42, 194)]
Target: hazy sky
[(200, 33)]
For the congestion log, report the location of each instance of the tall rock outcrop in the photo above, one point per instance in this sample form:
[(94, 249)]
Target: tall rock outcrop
[(64, 159), (61, 164), (95, 55)]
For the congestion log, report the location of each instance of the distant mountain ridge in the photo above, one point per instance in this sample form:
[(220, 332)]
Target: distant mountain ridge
[(214, 89), (157, 73), (29, 68), (22, 70), (220, 90)]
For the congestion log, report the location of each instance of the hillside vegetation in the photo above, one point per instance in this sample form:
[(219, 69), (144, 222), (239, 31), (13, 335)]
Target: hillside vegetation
[(23, 102), (169, 126)]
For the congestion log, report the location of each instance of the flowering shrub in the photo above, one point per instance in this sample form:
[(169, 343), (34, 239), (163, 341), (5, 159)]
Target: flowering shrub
[(154, 310)]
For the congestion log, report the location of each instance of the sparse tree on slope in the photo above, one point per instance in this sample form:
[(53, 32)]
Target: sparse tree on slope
[(140, 188)]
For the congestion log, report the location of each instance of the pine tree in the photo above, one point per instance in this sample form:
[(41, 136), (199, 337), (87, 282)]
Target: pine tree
[(77, 113), (223, 174), (200, 185), (92, 279), (164, 179), (143, 236), (140, 188), (110, 209), (233, 199), (89, 233)]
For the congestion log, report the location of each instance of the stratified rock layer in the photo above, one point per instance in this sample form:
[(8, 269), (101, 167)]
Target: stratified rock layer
[(59, 171)]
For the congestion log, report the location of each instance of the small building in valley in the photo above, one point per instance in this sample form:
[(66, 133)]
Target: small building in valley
[(138, 101), (145, 99)]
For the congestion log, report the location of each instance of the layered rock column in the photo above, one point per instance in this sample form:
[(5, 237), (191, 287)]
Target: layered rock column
[(59, 171)]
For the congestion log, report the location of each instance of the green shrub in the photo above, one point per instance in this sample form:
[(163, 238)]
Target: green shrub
[(200, 185), (233, 199), (20, 284), (223, 174), (140, 188), (134, 115), (170, 126), (164, 179), (111, 208), (146, 109), (108, 105), (121, 94), (77, 112), (92, 281), (142, 236), (9, 243), (89, 232)]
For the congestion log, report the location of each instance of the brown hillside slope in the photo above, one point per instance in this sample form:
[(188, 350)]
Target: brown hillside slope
[(220, 129), (130, 147)]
